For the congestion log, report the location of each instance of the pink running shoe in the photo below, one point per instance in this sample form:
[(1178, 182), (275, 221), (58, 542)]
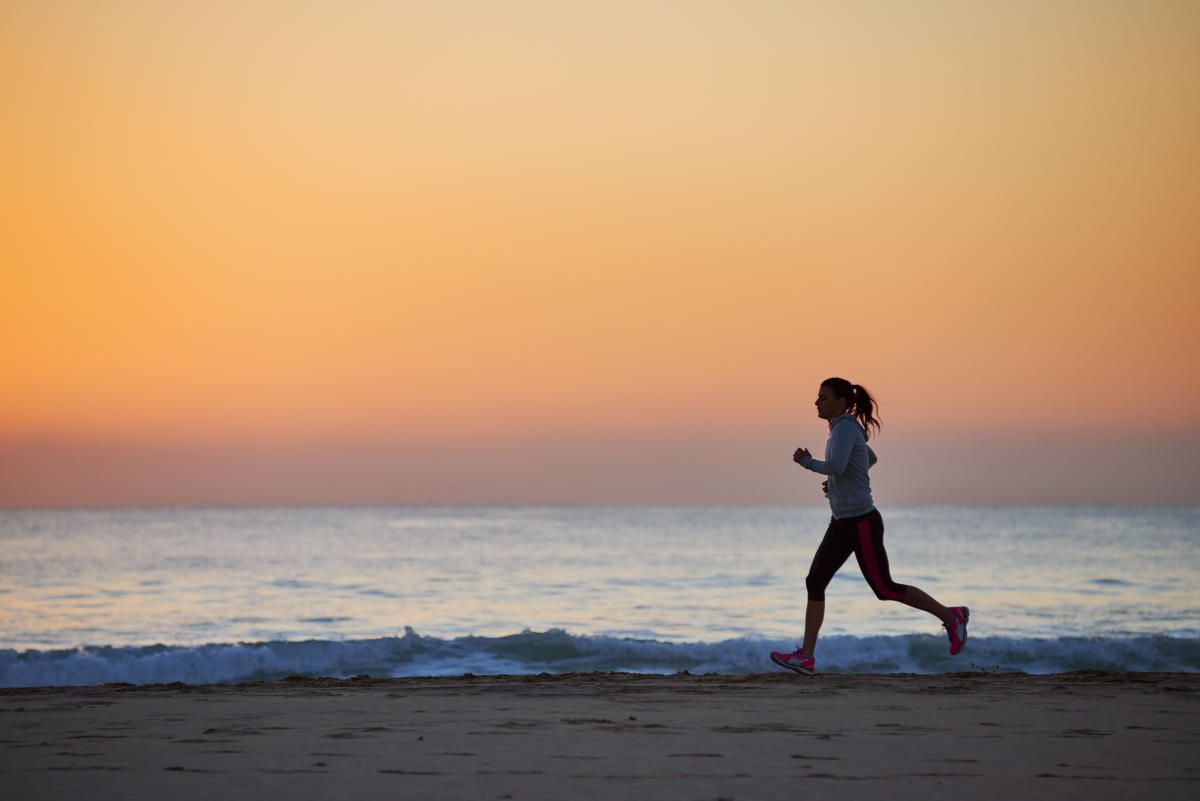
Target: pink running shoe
[(958, 629), (795, 661)]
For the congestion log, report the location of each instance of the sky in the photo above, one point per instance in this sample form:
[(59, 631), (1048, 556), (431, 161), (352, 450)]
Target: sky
[(523, 252)]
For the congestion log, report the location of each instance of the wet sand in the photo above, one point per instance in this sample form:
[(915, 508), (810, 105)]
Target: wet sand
[(581, 736)]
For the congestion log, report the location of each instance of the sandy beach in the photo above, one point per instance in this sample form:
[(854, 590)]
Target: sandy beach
[(977, 735)]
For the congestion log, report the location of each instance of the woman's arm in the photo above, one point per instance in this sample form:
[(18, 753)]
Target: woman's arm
[(841, 443)]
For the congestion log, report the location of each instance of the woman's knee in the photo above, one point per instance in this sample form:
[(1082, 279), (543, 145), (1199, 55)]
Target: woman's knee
[(896, 592), (816, 587)]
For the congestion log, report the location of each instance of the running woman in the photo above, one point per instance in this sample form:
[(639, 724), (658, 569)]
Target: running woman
[(856, 526)]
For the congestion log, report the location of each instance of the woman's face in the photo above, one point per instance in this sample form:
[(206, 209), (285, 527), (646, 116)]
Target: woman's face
[(829, 405)]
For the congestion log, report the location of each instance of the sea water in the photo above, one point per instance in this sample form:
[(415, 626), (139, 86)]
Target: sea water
[(208, 595)]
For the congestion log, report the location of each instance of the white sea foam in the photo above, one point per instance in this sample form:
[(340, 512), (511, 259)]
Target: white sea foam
[(557, 651)]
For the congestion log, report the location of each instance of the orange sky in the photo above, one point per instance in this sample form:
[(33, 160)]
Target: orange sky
[(307, 225)]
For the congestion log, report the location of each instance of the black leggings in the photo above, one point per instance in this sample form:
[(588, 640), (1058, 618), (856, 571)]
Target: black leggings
[(863, 536)]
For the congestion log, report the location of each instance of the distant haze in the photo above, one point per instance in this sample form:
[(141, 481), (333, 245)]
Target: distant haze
[(1061, 469), (475, 252)]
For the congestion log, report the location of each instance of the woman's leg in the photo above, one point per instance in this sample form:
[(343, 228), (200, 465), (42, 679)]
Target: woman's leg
[(814, 616), (873, 561), (917, 599), (831, 554)]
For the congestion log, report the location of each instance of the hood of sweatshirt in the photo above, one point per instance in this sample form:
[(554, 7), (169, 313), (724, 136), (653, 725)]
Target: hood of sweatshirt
[(842, 419)]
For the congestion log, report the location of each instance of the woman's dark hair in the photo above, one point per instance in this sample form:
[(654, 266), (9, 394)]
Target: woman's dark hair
[(858, 402)]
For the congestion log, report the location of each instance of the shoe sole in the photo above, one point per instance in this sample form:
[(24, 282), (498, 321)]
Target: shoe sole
[(966, 619), (800, 670)]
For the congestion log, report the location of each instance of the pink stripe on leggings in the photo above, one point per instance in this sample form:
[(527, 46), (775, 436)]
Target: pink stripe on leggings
[(872, 564)]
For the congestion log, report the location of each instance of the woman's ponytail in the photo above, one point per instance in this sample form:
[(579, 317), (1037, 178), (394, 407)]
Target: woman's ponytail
[(859, 403), (864, 407)]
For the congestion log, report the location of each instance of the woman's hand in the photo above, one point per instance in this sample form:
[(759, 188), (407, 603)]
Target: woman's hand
[(800, 455), (825, 487)]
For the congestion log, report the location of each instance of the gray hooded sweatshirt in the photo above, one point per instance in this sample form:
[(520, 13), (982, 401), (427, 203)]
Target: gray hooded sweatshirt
[(847, 460)]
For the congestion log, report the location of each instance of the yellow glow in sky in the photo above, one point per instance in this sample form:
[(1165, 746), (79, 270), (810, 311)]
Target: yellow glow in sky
[(375, 221)]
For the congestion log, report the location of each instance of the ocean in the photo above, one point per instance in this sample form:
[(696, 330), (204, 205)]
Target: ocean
[(236, 595)]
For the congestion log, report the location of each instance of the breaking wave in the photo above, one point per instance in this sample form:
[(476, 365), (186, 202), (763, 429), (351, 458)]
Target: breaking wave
[(558, 651)]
